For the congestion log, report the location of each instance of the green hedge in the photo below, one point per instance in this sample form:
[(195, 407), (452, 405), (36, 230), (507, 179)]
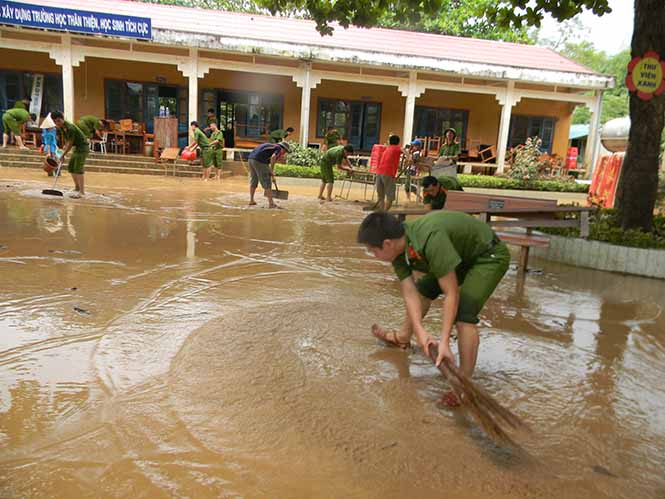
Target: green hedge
[(490, 182), (300, 171), (603, 226), (480, 181)]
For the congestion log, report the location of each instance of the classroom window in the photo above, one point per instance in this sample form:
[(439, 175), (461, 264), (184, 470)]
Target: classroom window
[(141, 102), (357, 122), (523, 127), (433, 122), (252, 114), (15, 85)]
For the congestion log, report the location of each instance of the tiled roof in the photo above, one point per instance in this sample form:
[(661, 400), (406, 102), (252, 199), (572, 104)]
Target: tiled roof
[(302, 32)]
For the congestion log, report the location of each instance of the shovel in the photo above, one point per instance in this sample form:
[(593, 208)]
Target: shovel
[(52, 162), (276, 193)]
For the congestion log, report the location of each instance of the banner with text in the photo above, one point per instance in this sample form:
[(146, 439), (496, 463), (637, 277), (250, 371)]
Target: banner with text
[(79, 21)]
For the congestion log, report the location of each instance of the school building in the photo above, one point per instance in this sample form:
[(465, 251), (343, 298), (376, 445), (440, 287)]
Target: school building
[(120, 59)]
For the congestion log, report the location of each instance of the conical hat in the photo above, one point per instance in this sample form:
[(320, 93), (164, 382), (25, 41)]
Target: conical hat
[(48, 122)]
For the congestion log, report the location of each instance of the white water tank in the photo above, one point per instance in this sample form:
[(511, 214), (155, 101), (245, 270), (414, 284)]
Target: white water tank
[(614, 134)]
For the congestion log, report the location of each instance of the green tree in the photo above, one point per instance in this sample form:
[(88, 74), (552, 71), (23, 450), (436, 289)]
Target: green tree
[(466, 18)]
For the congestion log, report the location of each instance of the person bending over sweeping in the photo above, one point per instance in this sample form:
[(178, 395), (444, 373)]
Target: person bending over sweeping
[(335, 156), (73, 137), (90, 126), (435, 190), (262, 169), (445, 253), (12, 121)]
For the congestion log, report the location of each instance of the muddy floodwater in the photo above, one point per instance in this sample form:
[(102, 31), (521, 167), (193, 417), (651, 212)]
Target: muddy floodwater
[(161, 339)]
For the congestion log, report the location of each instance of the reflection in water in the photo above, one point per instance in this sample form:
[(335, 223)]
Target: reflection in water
[(227, 354)]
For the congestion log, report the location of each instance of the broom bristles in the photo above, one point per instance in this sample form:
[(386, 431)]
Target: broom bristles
[(483, 407)]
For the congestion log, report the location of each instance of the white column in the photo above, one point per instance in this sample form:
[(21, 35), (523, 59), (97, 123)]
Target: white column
[(193, 69), (306, 80), (507, 103), (411, 91), (593, 140), (305, 101), (68, 58)]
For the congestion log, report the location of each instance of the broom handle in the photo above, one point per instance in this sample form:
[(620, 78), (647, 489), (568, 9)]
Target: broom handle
[(274, 181), (57, 173)]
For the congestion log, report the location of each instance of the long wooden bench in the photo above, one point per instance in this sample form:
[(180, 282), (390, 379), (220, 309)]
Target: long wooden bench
[(525, 241), (512, 212)]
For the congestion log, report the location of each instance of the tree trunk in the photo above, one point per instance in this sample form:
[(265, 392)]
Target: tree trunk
[(638, 186)]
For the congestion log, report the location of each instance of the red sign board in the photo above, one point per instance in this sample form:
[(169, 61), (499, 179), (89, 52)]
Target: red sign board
[(646, 75), (605, 180)]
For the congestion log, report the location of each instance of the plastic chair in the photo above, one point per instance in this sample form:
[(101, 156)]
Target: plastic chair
[(100, 142)]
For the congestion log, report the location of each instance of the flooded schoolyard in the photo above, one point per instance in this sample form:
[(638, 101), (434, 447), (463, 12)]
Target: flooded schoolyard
[(160, 338)]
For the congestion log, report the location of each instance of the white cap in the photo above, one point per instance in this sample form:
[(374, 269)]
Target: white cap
[(48, 122)]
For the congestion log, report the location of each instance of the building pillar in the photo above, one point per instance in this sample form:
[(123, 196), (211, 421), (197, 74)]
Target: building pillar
[(307, 81), (68, 59), (411, 91), (193, 69), (593, 140), (507, 102)]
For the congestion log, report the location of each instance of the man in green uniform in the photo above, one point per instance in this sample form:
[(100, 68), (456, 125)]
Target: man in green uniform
[(72, 137), (23, 103), (445, 253), (90, 125), (12, 120), (200, 140), (216, 148), (435, 190), (332, 138), (337, 156), (279, 135), (211, 117)]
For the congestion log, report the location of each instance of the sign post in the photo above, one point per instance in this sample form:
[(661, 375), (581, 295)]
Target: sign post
[(645, 76)]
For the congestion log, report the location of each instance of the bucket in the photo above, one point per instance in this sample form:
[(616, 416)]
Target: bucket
[(188, 155), (50, 165)]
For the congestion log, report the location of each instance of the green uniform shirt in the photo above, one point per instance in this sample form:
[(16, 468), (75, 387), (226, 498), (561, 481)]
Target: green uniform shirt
[(19, 104), (334, 155), (447, 183), (332, 138), (201, 139), (440, 242), (19, 114), (218, 135), (277, 135), (211, 119), (449, 149), (88, 124), (70, 132)]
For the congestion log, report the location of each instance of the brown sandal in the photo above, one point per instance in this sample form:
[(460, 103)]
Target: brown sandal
[(389, 337)]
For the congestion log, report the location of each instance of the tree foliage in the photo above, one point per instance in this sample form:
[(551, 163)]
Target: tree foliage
[(506, 14)]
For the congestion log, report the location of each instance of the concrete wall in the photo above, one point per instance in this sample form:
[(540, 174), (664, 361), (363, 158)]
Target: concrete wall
[(32, 62)]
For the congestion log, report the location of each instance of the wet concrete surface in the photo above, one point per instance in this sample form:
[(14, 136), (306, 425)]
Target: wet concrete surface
[(159, 339)]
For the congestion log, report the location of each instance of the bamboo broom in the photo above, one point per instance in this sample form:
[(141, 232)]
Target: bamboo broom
[(491, 415)]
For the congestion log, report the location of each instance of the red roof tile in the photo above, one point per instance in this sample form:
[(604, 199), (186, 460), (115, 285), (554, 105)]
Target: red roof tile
[(302, 32)]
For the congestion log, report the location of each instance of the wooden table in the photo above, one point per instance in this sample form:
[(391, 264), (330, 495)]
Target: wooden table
[(126, 137)]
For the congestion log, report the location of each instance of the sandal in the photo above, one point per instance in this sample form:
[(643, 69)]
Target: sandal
[(389, 337)]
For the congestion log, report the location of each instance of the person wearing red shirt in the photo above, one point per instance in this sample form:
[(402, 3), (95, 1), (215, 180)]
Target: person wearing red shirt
[(386, 172)]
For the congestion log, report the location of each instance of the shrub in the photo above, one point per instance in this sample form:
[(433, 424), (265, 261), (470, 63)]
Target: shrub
[(303, 156), (300, 171), (604, 226)]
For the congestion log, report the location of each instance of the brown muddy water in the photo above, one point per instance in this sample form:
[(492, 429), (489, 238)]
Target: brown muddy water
[(168, 341)]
